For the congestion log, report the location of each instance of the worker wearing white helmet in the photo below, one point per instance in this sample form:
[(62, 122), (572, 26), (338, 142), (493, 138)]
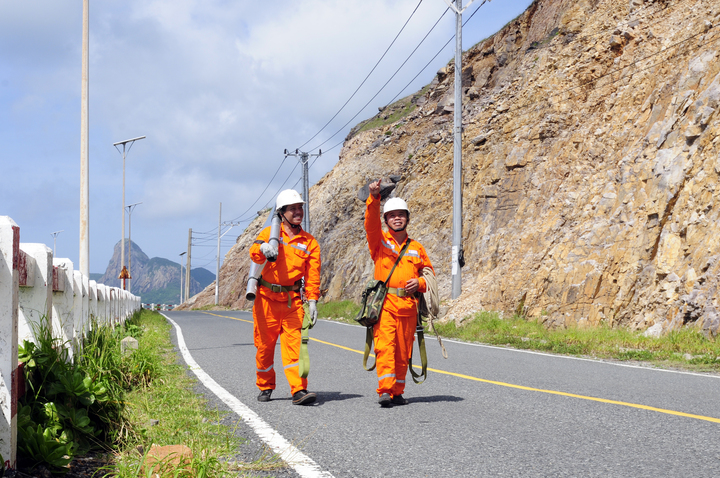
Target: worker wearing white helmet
[(394, 332), (278, 309)]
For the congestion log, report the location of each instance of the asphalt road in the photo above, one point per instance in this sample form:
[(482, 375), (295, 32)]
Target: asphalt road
[(484, 411)]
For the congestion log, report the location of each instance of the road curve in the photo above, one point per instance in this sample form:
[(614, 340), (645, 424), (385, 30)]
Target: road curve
[(484, 411)]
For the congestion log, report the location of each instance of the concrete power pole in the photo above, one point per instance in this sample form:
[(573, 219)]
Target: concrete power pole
[(84, 149), (458, 255), (217, 267), (187, 267), (304, 158), (217, 276), (457, 250)]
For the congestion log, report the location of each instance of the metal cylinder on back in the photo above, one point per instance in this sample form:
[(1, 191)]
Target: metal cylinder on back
[(255, 268)]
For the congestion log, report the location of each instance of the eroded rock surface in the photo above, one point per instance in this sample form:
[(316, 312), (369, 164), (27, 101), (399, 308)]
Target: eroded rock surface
[(591, 163)]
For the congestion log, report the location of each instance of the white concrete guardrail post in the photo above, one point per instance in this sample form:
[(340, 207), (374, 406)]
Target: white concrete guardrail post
[(93, 302), (9, 375), (36, 293), (63, 301)]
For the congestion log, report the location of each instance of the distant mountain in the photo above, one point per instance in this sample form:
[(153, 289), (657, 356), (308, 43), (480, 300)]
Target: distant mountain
[(155, 280), (95, 276)]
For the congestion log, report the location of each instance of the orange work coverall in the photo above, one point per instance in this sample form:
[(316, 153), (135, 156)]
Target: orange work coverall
[(395, 331), (280, 314)]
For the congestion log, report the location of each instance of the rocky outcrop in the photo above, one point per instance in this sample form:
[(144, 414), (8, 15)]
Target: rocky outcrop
[(590, 171), (156, 280)]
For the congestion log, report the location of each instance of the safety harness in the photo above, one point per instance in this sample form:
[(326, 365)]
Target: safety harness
[(369, 330)]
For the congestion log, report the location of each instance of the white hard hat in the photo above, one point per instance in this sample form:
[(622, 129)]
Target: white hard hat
[(287, 197), (395, 204)]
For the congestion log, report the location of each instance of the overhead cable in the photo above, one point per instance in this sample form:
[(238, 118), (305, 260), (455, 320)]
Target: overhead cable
[(386, 83), (366, 77)]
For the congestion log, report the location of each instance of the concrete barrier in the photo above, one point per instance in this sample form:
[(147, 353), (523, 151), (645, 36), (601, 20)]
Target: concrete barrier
[(35, 287), (9, 300)]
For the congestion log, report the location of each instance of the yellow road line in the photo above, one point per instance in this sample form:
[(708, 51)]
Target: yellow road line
[(227, 317), (531, 389)]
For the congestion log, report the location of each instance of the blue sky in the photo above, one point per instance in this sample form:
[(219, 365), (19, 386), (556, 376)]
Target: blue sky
[(219, 88)]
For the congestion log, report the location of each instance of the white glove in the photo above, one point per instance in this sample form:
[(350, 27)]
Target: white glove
[(313, 311), (269, 251)]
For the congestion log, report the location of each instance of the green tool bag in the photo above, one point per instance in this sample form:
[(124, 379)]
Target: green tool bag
[(373, 298)]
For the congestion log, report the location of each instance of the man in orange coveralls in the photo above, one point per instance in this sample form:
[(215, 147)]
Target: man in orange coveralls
[(278, 309), (395, 331)]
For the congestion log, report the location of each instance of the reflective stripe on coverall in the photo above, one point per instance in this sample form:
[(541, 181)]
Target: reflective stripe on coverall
[(395, 332), (272, 313)]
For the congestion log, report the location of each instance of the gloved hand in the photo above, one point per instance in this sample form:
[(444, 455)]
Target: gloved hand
[(313, 312), (268, 251)]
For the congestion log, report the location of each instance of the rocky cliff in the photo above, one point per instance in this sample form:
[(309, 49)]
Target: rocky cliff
[(156, 280), (590, 170)]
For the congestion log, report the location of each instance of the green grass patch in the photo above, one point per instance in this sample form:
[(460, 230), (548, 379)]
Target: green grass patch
[(687, 348), (119, 404), (394, 113), (345, 310), (165, 410)]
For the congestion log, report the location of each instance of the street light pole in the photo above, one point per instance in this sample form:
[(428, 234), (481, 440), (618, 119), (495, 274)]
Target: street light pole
[(84, 258), (130, 210), (181, 277), (124, 144), (55, 235)]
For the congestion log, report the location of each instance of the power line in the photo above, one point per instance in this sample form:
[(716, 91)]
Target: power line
[(366, 77), (386, 83), (415, 77)]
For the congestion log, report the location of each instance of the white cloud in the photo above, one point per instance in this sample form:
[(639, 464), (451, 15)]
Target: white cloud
[(219, 88)]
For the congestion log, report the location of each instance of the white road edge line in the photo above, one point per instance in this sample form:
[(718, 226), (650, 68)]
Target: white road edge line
[(300, 462)]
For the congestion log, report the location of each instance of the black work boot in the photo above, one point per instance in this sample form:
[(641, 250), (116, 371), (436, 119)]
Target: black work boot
[(264, 395), (303, 397), (385, 400), (400, 400)]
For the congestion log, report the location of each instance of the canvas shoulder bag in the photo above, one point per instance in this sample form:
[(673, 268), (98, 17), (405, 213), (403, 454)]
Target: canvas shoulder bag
[(373, 298)]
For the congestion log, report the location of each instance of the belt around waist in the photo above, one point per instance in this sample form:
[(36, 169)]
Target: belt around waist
[(398, 292), (278, 287)]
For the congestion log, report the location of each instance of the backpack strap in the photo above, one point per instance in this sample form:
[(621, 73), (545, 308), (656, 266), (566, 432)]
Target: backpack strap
[(369, 331)]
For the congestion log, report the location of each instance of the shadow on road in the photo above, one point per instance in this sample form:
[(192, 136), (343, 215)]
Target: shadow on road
[(335, 396), (435, 398), (223, 347)]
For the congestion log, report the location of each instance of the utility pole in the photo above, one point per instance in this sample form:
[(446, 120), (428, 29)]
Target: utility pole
[(217, 268), (187, 267), (457, 250), (458, 255), (84, 149), (181, 276), (304, 158)]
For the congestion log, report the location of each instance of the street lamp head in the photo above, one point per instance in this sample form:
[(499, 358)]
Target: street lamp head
[(130, 207), (128, 140), (183, 253)]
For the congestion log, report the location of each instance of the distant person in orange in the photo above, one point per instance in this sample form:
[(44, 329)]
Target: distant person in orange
[(395, 331), (278, 309)]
